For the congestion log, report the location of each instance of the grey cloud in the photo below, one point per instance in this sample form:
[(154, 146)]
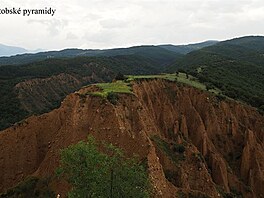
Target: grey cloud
[(71, 36), (104, 36), (220, 6), (53, 26), (92, 16), (113, 23)]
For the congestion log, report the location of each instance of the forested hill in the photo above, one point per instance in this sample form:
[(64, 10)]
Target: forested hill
[(163, 54), (185, 49), (40, 86), (235, 66), (154, 53)]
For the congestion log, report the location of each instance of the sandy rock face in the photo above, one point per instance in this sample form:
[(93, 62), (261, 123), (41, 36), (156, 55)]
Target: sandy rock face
[(219, 171), (218, 129), (222, 140), (252, 164)]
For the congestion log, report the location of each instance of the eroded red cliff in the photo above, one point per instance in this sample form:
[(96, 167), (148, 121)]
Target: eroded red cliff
[(222, 140)]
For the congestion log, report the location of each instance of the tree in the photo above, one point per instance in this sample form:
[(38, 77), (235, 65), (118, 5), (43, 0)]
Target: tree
[(112, 97), (209, 86), (120, 76), (96, 174)]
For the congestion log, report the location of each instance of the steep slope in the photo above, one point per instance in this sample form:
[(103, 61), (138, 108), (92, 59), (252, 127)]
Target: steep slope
[(221, 141)]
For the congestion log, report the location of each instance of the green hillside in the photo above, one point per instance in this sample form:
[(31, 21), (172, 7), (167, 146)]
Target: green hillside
[(235, 66)]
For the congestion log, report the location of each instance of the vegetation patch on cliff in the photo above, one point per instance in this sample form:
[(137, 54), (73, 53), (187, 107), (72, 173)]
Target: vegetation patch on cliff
[(116, 87), (174, 151), (180, 77), (110, 90)]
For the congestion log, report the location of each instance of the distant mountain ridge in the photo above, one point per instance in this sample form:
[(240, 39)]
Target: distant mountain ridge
[(152, 51), (185, 49), (250, 42), (6, 50)]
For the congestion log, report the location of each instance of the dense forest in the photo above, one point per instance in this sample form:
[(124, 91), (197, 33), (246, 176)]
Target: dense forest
[(235, 66)]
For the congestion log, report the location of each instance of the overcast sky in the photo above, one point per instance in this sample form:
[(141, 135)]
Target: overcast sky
[(121, 23)]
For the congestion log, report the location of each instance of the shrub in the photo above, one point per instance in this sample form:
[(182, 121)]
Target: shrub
[(179, 148), (261, 109), (120, 76), (209, 86), (220, 97), (174, 151), (112, 97), (93, 173), (31, 187)]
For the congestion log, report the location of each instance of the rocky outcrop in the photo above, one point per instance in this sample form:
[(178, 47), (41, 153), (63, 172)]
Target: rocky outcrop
[(222, 140)]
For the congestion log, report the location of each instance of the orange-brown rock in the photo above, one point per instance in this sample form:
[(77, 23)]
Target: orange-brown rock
[(223, 140)]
